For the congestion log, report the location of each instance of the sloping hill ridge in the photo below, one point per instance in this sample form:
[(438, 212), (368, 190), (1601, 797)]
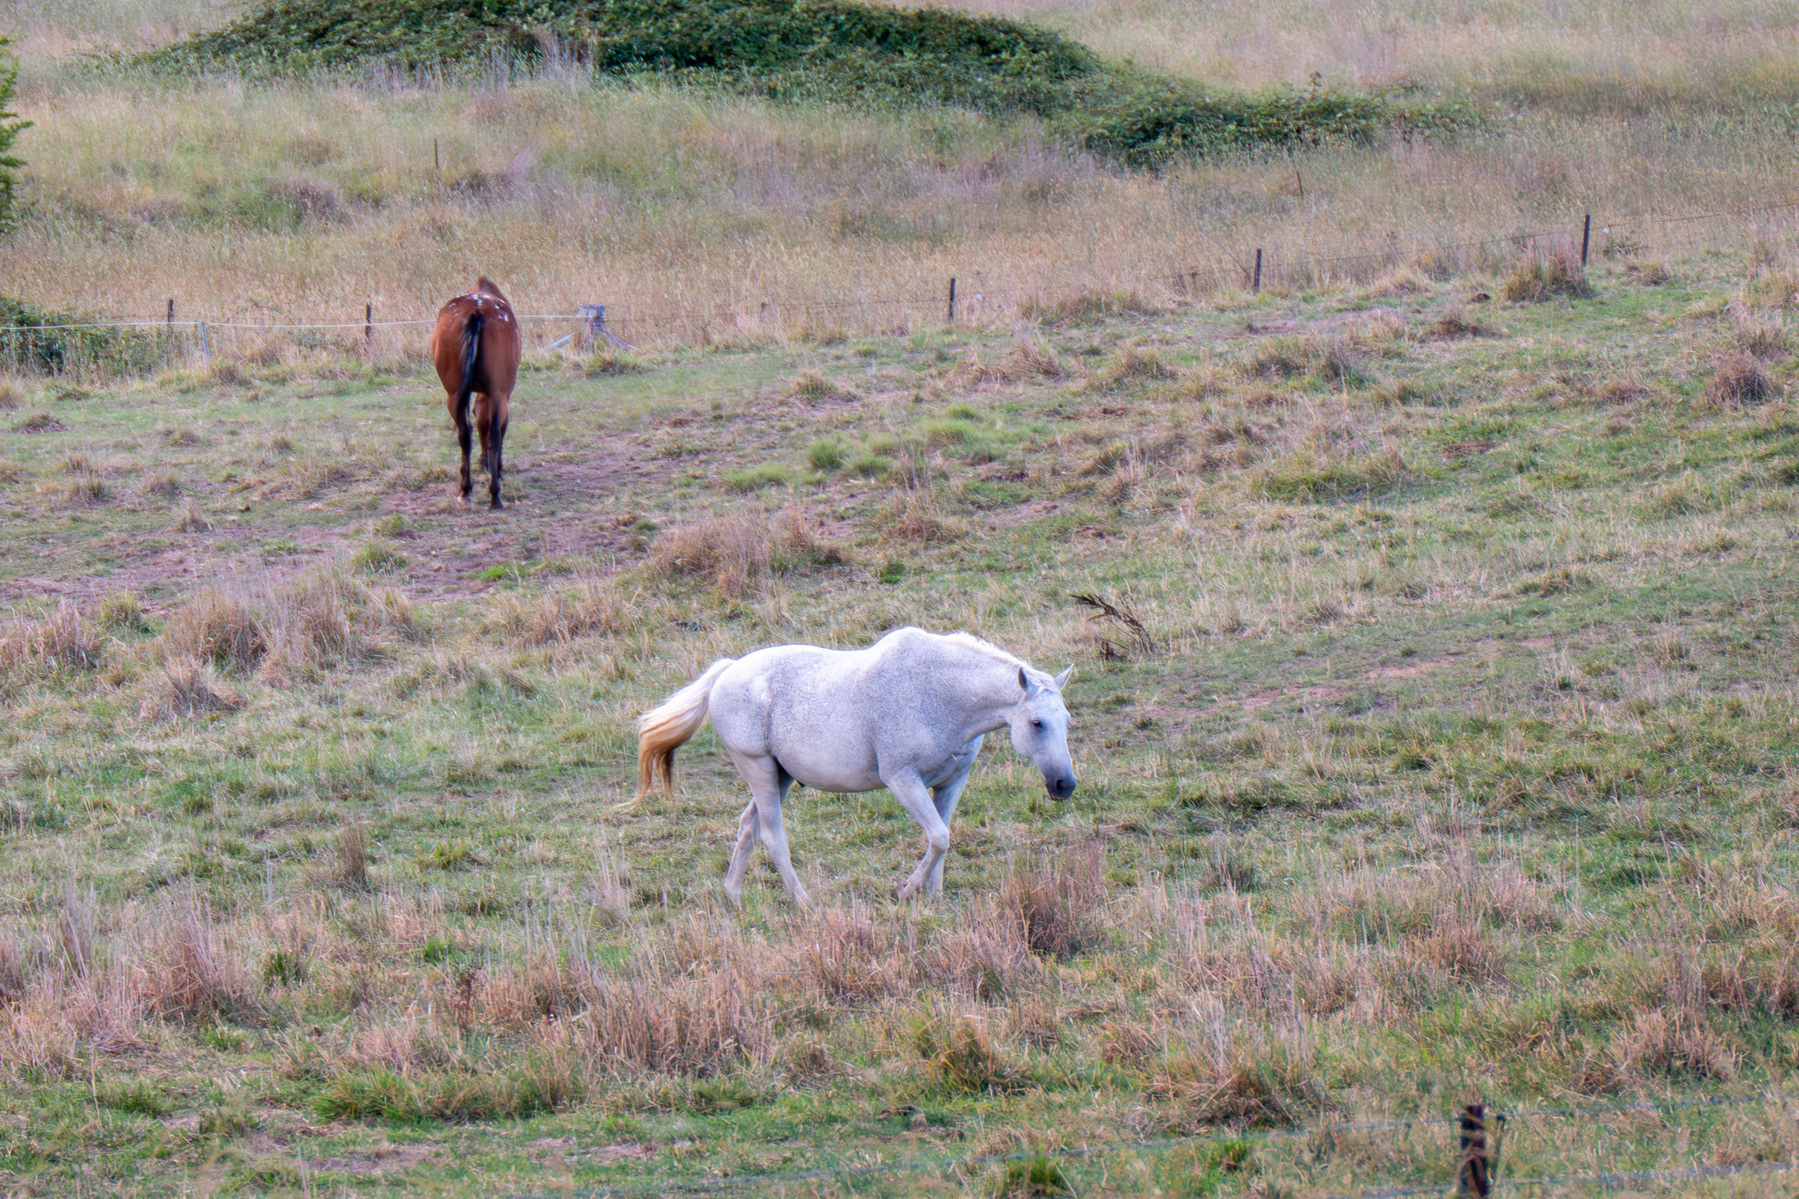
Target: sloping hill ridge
[(835, 50)]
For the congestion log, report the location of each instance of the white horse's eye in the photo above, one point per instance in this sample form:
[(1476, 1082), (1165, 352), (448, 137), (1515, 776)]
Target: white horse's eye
[(1035, 723)]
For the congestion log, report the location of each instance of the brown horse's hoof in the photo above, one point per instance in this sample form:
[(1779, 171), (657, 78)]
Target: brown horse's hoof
[(496, 505), (463, 500)]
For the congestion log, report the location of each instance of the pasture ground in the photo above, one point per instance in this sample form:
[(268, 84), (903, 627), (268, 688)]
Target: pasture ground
[(1457, 760)]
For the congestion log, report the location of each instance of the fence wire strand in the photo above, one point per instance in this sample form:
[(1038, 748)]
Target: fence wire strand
[(1274, 268)]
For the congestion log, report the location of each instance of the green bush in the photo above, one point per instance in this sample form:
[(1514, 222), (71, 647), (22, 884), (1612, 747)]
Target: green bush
[(828, 50), (24, 346)]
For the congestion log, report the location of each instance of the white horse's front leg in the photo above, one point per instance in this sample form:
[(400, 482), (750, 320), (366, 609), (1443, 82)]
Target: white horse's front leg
[(740, 854), (768, 787), (910, 790), (945, 799)]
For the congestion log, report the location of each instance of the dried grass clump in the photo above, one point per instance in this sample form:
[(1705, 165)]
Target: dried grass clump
[(729, 552), (1226, 1082), (310, 196), (1656, 1045), (914, 517), (1133, 361), (1060, 901), (11, 395), (1738, 381), (194, 970), (1088, 304), (1557, 273), (62, 638), (593, 606), (276, 630), (842, 962), (797, 541), (50, 1026), (185, 686), (686, 1027), (1461, 946), (812, 387), (216, 625), (964, 1058), (1453, 325), (1030, 359), (389, 609)]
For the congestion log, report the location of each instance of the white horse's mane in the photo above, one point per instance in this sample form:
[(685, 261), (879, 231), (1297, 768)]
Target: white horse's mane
[(980, 645)]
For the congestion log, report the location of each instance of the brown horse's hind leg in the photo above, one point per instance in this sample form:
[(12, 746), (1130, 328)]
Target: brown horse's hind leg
[(465, 437), (496, 443)]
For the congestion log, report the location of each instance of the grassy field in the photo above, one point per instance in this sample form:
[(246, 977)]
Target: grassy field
[(1459, 760), (1456, 756)]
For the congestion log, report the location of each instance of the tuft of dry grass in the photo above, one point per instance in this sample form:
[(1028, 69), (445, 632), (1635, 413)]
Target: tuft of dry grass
[(558, 618), (913, 517), (730, 552), (195, 969), (1060, 902), (185, 686), (62, 638), (1546, 276), (1738, 381)]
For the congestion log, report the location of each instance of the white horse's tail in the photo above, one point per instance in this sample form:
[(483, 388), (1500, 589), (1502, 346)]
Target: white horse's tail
[(668, 726)]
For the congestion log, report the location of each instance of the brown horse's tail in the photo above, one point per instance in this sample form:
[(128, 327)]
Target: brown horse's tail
[(668, 726), (471, 353)]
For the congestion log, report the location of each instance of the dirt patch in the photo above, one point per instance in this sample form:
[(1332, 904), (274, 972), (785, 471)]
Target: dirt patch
[(564, 510), (1412, 670), (1022, 514), (1326, 694), (379, 1159)]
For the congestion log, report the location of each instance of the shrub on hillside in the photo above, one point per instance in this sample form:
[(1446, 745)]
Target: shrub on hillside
[(830, 50)]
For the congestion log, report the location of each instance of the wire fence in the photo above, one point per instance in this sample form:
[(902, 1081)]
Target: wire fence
[(78, 349), (1445, 1159)]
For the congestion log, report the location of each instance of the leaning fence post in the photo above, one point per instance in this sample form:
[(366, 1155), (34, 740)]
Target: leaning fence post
[(1255, 284), (1473, 1176), (1586, 235)]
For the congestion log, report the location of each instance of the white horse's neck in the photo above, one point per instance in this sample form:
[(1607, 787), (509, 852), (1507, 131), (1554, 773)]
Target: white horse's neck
[(978, 681)]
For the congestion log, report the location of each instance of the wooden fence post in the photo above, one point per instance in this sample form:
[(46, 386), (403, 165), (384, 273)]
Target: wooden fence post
[(1586, 235), (1256, 283), (205, 344), (171, 318), (952, 299), (1473, 1177), (368, 325)]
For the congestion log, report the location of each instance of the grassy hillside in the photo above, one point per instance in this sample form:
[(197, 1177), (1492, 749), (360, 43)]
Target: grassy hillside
[(839, 51), (1460, 760)]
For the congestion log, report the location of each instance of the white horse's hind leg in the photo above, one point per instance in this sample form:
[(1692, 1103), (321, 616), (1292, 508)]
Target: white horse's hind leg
[(768, 787), (910, 790), (740, 854)]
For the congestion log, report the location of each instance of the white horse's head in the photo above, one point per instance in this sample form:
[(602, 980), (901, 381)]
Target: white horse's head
[(1040, 728)]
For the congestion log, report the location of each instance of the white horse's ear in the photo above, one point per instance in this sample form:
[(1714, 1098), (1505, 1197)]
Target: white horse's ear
[(1023, 681), (1062, 679)]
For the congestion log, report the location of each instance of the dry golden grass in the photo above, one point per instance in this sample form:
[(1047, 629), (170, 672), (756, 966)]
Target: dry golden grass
[(573, 200)]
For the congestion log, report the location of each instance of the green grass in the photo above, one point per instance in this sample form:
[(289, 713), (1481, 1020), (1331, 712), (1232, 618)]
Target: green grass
[(1463, 764)]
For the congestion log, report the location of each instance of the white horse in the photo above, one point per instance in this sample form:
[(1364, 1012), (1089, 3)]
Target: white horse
[(907, 713)]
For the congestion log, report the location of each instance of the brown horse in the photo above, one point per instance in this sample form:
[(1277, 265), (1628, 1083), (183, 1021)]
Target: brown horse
[(476, 347)]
